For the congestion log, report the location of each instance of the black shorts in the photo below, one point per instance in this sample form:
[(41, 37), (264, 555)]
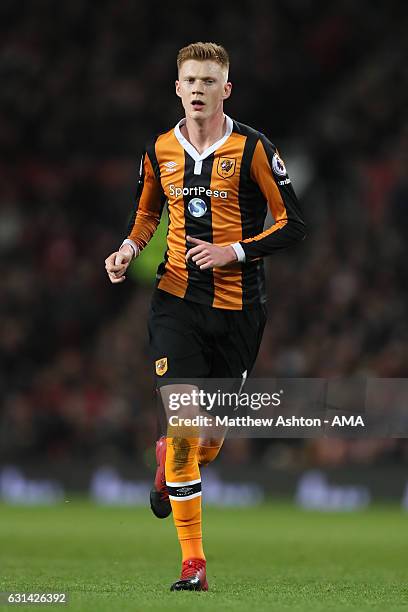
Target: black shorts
[(192, 340)]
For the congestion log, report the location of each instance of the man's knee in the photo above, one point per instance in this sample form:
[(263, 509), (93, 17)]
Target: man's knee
[(208, 450)]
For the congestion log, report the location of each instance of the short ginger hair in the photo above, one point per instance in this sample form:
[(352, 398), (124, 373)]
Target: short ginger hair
[(202, 51)]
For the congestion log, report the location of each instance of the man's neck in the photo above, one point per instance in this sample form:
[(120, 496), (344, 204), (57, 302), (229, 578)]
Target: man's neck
[(204, 134)]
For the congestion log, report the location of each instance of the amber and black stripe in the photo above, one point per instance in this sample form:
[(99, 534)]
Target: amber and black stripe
[(200, 284)]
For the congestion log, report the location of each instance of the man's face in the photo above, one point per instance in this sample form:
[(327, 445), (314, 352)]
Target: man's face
[(202, 87)]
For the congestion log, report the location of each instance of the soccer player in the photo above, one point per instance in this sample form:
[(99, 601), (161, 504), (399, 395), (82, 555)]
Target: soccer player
[(208, 313)]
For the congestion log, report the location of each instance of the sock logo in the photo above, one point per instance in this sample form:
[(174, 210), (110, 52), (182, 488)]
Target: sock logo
[(182, 491)]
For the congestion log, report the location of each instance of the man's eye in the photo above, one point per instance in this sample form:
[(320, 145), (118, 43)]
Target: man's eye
[(209, 81)]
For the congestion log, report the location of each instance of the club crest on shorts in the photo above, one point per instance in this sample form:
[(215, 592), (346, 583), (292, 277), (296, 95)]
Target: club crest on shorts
[(161, 366), (278, 166), (226, 167)]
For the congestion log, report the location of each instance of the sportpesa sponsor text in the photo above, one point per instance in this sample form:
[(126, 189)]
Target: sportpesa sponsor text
[(197, 191)]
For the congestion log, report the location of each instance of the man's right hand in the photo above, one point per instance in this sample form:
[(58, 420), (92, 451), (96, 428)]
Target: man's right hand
[(117, 263)]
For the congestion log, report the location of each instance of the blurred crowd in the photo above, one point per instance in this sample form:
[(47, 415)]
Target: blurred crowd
[(83, 87)]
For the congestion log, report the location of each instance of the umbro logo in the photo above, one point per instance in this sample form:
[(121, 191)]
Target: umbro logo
[(170, 166)]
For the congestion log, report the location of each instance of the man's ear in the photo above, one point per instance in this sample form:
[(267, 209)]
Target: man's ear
[(178, 89), (227, 90)]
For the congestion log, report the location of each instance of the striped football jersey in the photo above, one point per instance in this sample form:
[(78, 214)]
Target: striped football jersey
[(220, 196)]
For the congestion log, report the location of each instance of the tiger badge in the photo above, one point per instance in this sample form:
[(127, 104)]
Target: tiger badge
[(226, 167), (161, 366)]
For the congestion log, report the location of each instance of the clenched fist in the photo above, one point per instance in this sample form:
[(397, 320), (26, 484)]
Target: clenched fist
[(117, 263)]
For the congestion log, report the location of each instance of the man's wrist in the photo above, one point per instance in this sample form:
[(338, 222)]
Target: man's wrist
[(129, 246), (239, 251), (231, 254)]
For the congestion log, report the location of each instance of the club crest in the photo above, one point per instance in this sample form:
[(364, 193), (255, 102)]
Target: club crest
[(161, 366), (226, 167)]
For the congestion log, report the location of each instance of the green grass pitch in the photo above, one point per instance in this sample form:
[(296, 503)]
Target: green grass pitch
[(274, 557)]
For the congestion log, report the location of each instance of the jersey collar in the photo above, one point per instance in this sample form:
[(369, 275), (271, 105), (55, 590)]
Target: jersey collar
[(187, 146)]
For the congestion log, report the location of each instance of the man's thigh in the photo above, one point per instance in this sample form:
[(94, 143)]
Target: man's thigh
[(177, 346), (236, 352)]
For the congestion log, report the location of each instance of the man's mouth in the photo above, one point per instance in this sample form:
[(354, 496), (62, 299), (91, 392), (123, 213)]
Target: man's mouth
[(197, 103)]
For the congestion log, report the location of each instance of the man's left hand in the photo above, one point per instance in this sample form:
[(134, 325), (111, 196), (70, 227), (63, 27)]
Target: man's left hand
[(207, 255)]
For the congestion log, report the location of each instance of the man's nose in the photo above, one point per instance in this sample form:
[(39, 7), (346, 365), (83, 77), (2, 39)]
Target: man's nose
[(197, 89)]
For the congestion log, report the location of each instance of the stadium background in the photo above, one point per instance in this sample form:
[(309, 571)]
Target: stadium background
[(83, 87)]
